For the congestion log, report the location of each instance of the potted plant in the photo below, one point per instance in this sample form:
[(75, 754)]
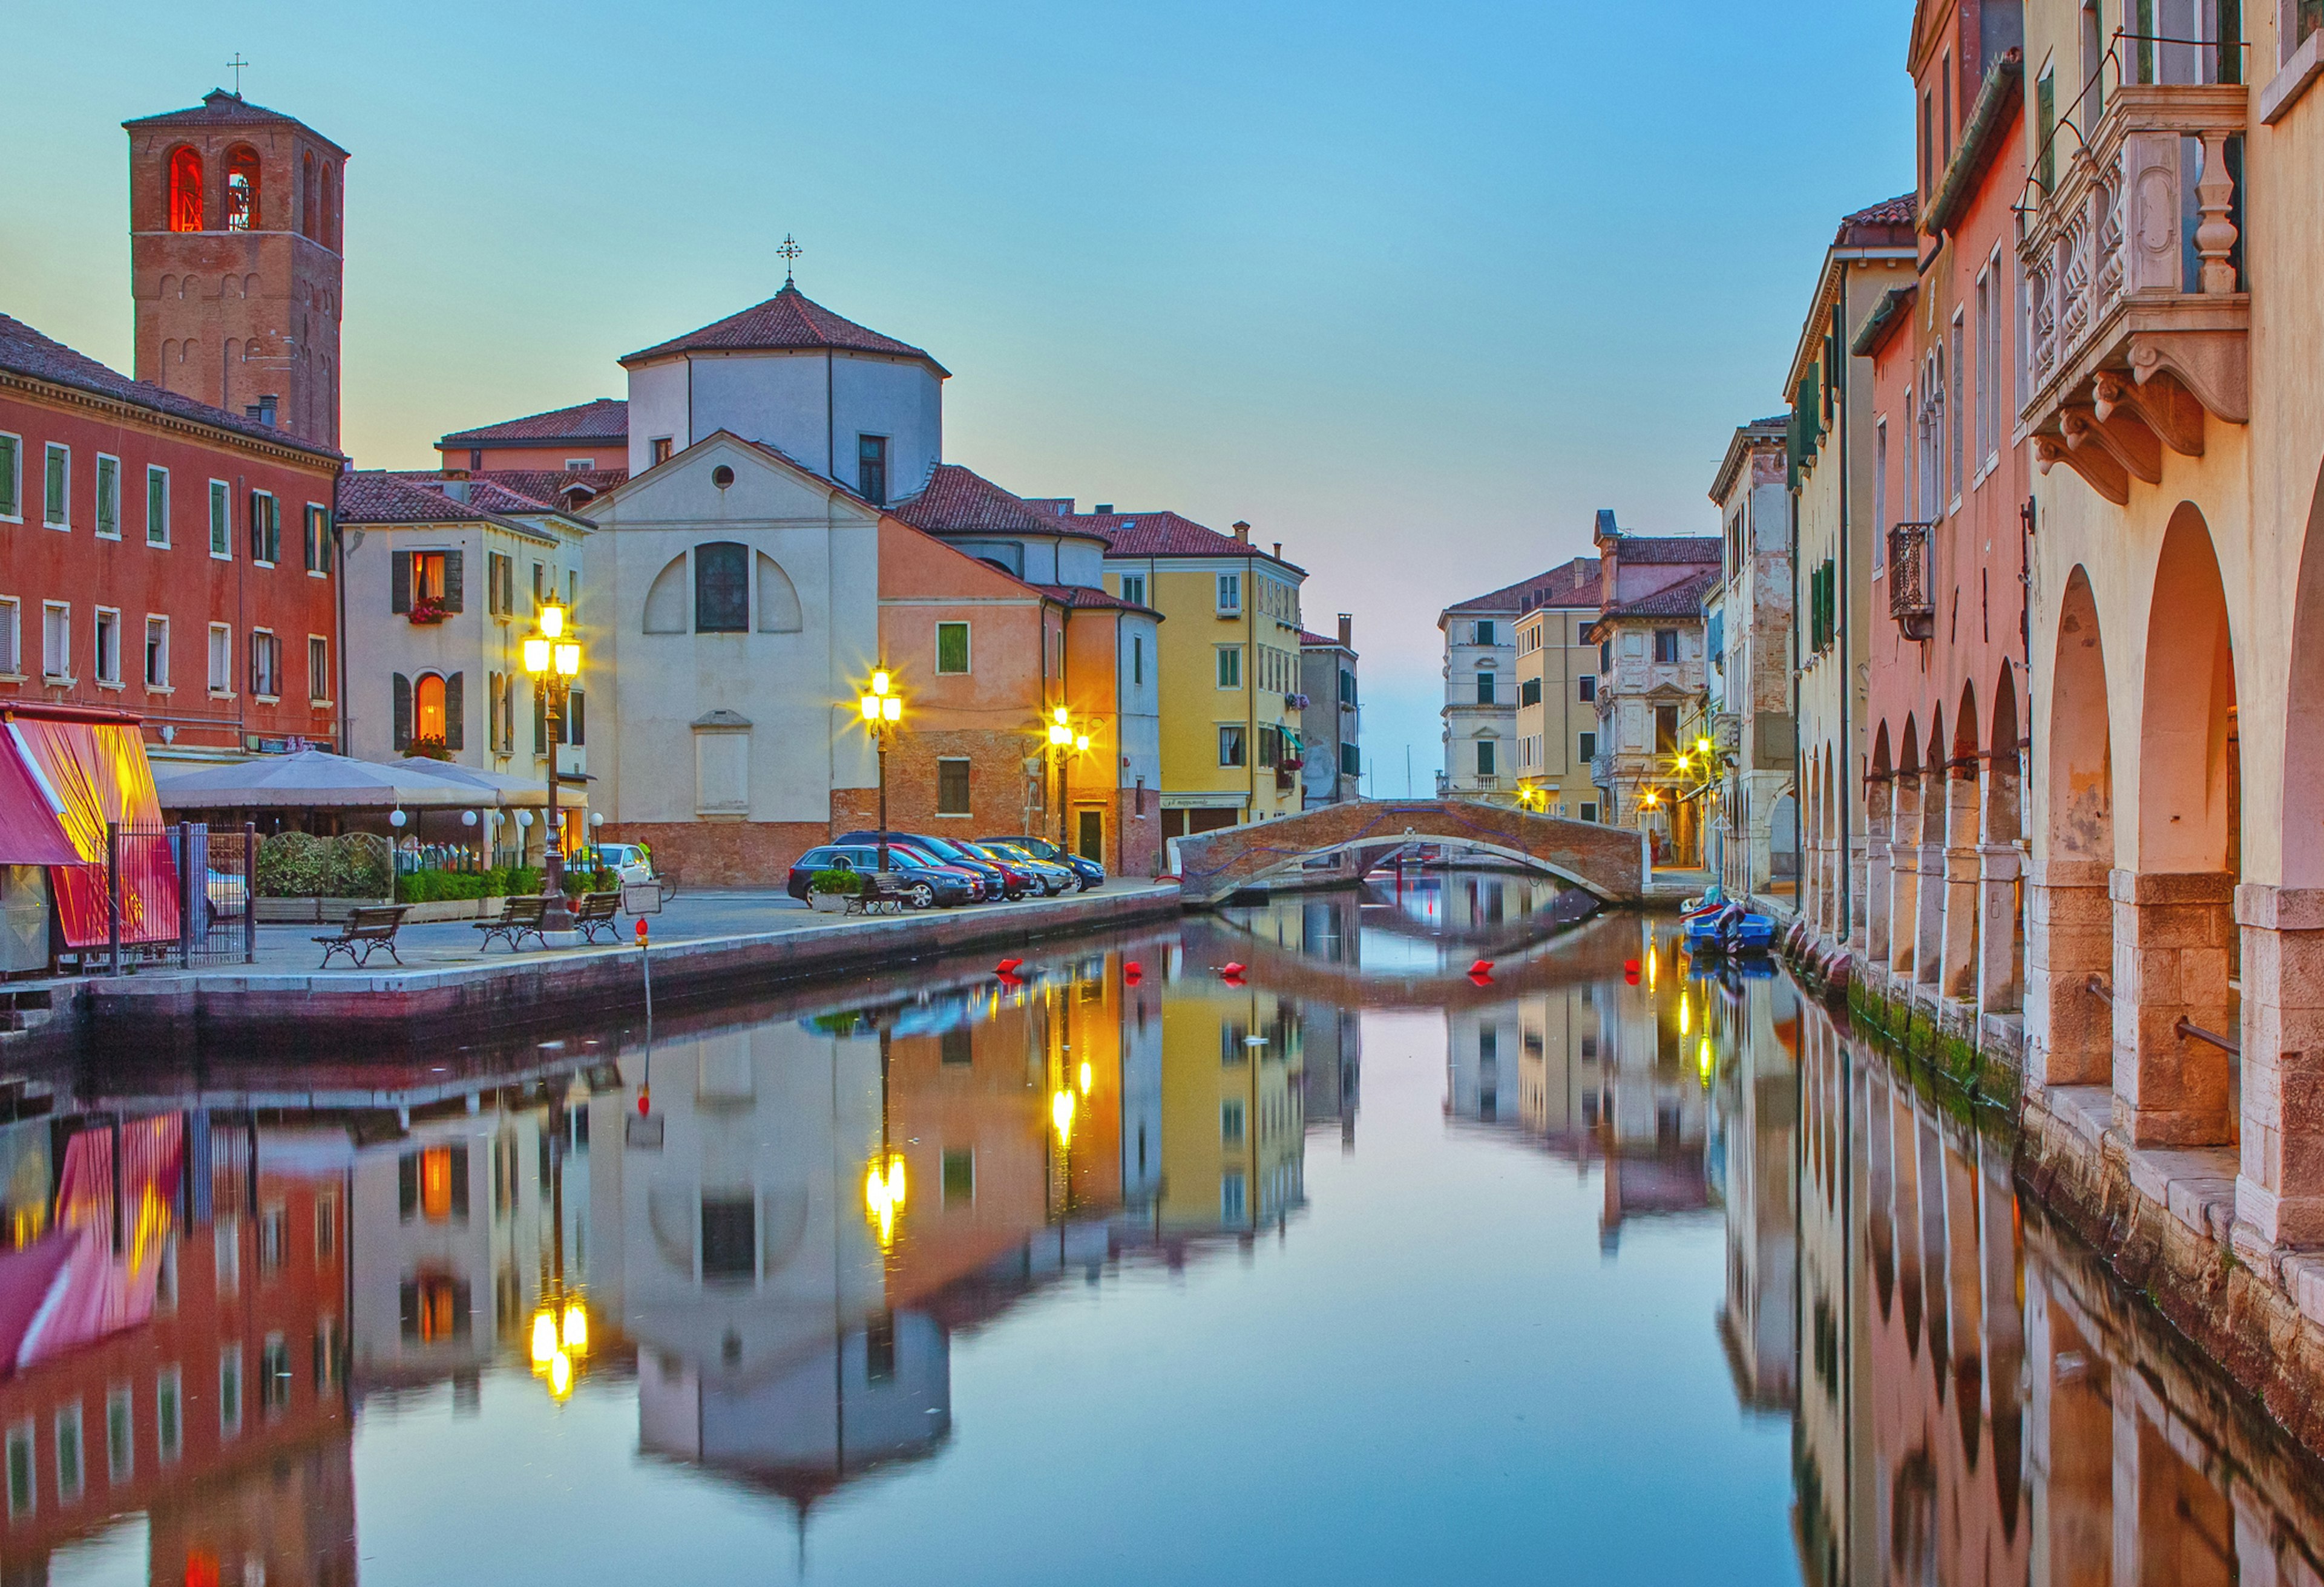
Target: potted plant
[(827, 891), (429, 747), (427, 610)]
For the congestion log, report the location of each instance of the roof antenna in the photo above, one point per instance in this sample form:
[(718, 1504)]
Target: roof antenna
[(237, 63), (790, 250)]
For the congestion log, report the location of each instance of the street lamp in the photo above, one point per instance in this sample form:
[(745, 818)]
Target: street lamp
[(882, 712), (1064, 742), (553, 658)]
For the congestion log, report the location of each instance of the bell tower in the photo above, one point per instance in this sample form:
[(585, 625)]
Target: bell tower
[(235, 235)]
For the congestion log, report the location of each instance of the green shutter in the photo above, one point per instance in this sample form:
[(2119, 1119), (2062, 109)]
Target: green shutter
[(109, 496), (157, 507), (221, 525), (2045, 129), (11, 473), (58, 461)]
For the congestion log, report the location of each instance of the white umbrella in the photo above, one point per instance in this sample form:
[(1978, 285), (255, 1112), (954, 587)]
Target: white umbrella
[(309, 779), (487, 788)]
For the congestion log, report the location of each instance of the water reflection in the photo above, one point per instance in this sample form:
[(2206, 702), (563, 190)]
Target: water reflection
[(843, 1212)]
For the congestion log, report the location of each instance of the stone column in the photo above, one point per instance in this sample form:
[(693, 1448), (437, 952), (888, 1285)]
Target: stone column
[(1905, 875), (2172, 941), (1997, 991), (1879, 803), (2069, 1029), (2280, 1191), (1957, 951), (1929, 933), (1859, 863)]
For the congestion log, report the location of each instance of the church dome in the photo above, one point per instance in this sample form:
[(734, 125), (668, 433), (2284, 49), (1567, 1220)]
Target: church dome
[(788, 322)]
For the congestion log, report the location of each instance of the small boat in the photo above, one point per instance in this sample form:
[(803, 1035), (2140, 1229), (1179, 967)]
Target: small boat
[(1714, 932)]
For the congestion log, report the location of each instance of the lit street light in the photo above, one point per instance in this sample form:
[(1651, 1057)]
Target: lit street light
[(882, 712), (553, 658)]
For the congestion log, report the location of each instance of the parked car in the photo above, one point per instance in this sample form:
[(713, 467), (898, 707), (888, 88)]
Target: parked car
[(951, 853), (925, 886), (627, 861), (913, 854), (1053, 879), (1025, 878), (1092, 875)]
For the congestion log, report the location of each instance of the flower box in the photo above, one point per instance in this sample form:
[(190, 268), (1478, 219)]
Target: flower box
[(426, 614)]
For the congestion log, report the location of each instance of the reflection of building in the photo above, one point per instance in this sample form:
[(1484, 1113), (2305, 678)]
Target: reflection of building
[(1654, 1127), (1233, 1108), (1756, 1103), (223, 1414)]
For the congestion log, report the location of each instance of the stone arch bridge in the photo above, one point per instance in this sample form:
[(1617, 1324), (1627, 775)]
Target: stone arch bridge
[(1610, 862)]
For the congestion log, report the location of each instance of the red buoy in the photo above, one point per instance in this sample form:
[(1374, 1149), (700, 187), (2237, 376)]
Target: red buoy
[(1483, 966), (1007, 967), (1480, 978), (1231, 969), (1132, 968)]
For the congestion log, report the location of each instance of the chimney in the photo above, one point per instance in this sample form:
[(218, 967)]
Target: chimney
[(262, 410), (1278, 551), (457, 488), (1103, 509), (1346, 631), (1243, 532)]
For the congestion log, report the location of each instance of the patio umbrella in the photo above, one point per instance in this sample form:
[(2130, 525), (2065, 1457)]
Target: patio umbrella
[(309, 779), (486, 788)]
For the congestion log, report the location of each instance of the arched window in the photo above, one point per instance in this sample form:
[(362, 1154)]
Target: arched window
[(722, 588), (185, 189), (328, 230), (242, 210), (310, 195), (427, 707)]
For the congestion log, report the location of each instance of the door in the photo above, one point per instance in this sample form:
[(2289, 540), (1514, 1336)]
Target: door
[(1092, 835)]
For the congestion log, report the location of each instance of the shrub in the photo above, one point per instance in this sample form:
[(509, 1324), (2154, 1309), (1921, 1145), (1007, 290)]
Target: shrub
[(597, 880), (300, 865), (440, 886), (845, 884)]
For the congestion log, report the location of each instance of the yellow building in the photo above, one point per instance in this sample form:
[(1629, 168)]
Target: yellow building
[(1557, 691), (1229, 661)]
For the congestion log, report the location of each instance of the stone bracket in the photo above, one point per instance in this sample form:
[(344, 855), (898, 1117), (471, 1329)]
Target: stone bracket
[(2214, 365)]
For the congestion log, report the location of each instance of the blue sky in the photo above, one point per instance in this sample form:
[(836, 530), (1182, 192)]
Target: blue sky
[(1414, 290)]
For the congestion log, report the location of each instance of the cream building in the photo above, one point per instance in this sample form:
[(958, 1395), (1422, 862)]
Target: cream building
[(1756, 823), (1486, 752), (1651, 670), (1556, 670), (1831, 475)]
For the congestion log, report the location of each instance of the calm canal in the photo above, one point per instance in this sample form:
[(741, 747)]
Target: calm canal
[(1359, 1269)]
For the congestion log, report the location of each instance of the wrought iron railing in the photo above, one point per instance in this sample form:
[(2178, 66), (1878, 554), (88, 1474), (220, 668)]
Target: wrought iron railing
[(1910, 598)]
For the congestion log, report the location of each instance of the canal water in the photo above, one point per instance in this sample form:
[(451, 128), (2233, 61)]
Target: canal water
[(1353, 1267)]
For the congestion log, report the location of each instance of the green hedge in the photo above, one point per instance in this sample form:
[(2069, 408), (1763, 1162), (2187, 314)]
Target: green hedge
[(300, 865), (845, 884), (438, 886)]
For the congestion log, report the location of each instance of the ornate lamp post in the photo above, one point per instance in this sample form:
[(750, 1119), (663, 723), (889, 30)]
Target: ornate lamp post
[(1064, 742), (882, 712), (553, 658)]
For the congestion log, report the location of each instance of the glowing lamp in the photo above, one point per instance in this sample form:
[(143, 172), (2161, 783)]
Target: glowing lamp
[(1061, 716), (1085, 1079), (560, 1375), (1061, 1113), (1081, 742), (576, 1328), (552, 621), (1059, 735), (871, 708), (544, 1337), (891, 708), (536, 655), (569, 658), (879, 682)]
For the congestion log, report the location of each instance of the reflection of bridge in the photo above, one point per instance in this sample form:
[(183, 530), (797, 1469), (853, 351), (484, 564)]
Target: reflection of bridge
[(1594, 951), (1609, 862)]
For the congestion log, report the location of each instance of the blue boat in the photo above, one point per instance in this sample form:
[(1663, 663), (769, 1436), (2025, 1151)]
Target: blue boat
[(1718, 931)]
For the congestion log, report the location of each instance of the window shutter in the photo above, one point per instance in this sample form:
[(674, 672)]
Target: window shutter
[(456, 714), (539, 721), (402, 710), (257, 528), (407, 1186), (10, 464), (398, 581), (459, 1181), (454, 585), (577, 720)]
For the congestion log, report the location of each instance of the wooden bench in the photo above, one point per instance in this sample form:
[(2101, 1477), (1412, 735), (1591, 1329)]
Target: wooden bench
[(368, 928), (519, 918), (884, 893), (598, 912)]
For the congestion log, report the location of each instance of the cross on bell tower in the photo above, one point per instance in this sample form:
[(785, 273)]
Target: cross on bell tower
[(235, 65), (790, 250)]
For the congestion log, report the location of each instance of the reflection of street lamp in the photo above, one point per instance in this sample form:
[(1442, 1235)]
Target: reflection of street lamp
[(559, 1341), (1063, 740), (882, 712), (883, 1195), (554, 659)]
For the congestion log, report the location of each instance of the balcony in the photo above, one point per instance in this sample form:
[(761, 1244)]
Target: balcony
[(2139, 325), (1601, 771), (1727, 731), (1910, 600)]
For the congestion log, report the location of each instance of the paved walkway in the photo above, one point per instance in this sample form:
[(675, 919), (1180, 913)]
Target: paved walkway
[(690, 917)]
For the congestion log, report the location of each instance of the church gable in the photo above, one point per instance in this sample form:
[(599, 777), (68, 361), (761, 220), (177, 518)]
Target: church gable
[(725, 479), (915, 565)]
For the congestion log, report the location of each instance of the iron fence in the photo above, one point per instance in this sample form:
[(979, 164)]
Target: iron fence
[(218, 918)]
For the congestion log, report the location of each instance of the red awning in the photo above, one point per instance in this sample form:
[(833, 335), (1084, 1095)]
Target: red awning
[(29, 830), (92, 770)]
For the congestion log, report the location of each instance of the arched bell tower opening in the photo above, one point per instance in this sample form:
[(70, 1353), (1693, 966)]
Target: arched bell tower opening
[(235, 270)]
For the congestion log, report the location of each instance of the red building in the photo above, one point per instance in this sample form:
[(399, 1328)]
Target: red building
[(1946, 656), (163, 557)]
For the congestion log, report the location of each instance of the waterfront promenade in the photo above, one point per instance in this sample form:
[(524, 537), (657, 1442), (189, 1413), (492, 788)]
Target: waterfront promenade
[(705, 944)]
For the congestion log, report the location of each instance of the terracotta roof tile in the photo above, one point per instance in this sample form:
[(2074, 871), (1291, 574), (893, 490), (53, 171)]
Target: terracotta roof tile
[(958, 500), (1570, 584), (1167, 534), (1081, 597), (374, 496), (1665, 550), (607, 418), (1683, 598), (220, 108), (25, 352), (787, 320), (550, 484)]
